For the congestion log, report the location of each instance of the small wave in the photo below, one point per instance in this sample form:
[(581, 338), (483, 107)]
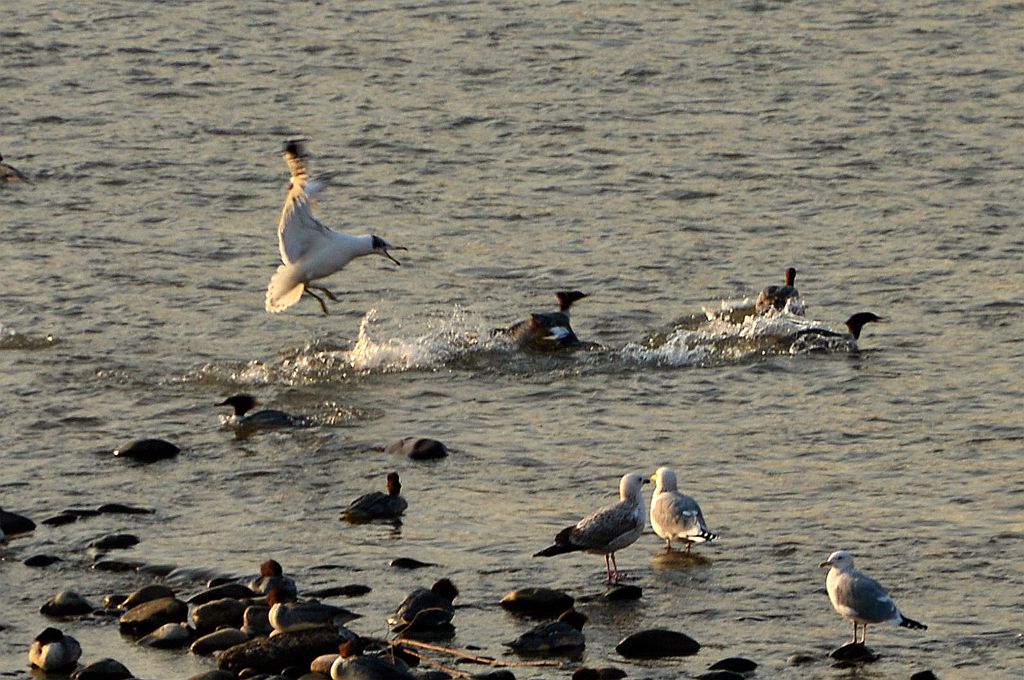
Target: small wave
[(11, 339)]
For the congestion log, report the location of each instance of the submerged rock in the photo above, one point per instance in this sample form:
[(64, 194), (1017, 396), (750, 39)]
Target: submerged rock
[(61, 519), (606, 673), (352, 590), (418, 448), (736, 664), (853, 652), (537, 601), (115, 542), (800, 658), (122, 509), (41, 560), (11, 523), (272, 654), (149, 616), (624, 593), (147, 450), (104, 669), (66, 603), (656, 643), (721, 675), (409, 563)]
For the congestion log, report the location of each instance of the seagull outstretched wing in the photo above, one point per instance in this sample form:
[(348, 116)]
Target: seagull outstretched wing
[(298, 229)]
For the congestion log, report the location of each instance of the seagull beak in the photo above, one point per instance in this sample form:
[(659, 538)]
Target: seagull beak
[(386, 254), (825, 564)]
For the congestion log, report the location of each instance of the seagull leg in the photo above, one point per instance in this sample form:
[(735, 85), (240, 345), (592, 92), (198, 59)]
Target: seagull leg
[(608, 568), (854, 632), (329, 294), (864, 633), (323, 305), (618, 577), (668, 548)]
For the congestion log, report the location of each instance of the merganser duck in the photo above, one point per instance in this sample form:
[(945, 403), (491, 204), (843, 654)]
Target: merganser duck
[(805, 339), (565, 634), (859, 598), (10, 174), (272, 576), (776, 297), (426, 610), (309, 249), (377, 504), (676, 515), (268, 419), (52, 650), (288, 617), (353, 664), (543, 329), (607, 530)]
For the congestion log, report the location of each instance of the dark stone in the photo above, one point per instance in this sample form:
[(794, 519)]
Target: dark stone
[(116, 566), (721, 675), (168, 636), (61, 519), (494, 675), (147, 450), (12, 523), (149, 616), (606, 673), (66, 603), (293, 672), (272, 654), (924, 675), (353, 590), (409, 563), (218, 640), (624, 593), (537, 601), (656, 643), (233, 590), (117, 600), (433, 675), (213, 675), (81, 513), (736, 664), (223, 612), (799, 659), (853, 652), (40, 560), (153, 591), (104, 669), (418, 448), (115, 542), (122, 509)]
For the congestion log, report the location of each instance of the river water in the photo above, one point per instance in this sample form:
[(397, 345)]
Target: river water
[(667, 159)]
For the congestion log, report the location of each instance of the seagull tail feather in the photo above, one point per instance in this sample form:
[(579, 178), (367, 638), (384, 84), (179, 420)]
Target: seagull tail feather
[(911, 623), (563, 544), (285, 289)]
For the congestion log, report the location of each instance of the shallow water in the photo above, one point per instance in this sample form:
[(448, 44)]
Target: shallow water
[(665, 158)]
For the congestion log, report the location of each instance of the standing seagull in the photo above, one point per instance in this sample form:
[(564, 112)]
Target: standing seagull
[(309, 249), (859, 598), (676, 515), (609, 529), (9, 173)]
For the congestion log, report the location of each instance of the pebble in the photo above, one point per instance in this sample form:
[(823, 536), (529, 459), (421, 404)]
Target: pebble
[(224, 612), (924, 675), (322, 664), (104, 669), (153, 591), (115, 542), (168, 636), (606, 673), (149, 616), (656, 643), (537, 601), (233, 590), (736, 664), (418, 448), (409, 563), (40, 560), (271, 654), (147, 450), (66, 603), (12, 523), (217, 641)]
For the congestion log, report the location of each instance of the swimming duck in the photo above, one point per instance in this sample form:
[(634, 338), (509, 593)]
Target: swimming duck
[(676, 515), (822, 338), (377, 504), (565, 634), (607, 530), (353, 664), (272, 576), (544, 329), (52, 650), (288, 617), (269, 419), (776, 297), (10, 174), (426, 610)]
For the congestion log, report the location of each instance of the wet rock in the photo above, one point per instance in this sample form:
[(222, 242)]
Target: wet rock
[(149, 616), (418, 448), (353, 590), (537, 601), (114, 601), (721, 675), (656, 643), (115, 542), (800, 659), (232, 590), (223, 612), (121, 509), (314, 676), (853, 652), (322, 664), (218, 640), (61, 519), (147, 450), (256, 620), (272, 654), (624, 593), (52, 650), (168, 636), (65, 604), (41, 560), (736, 664), (409, 563), (116, 566), (293, 672), (606, 673), (433, 675), (81, 513), (214, 675), (924, 675), (11, 523), (153, 591), (104, 669), (494, 675)]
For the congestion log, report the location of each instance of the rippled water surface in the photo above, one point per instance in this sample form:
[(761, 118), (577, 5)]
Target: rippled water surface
[(667, 158)]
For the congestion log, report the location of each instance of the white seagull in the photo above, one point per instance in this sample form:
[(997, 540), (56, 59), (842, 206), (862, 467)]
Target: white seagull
[(676, 515), (859, 598), (309, 249)]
